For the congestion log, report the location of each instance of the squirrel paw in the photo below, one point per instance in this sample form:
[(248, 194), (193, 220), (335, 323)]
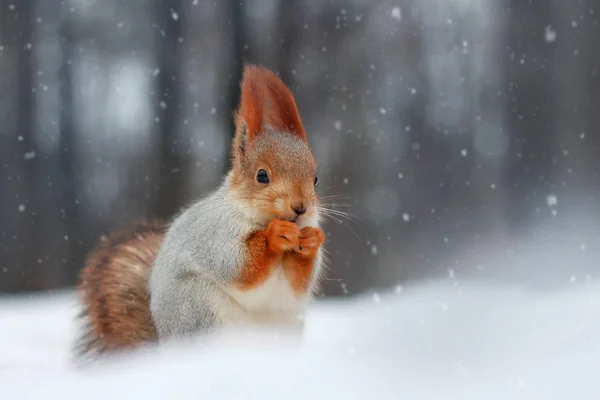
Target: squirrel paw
[(283, 236), (310, 241)]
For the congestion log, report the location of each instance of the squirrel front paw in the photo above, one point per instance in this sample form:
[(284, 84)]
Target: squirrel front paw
[(310, 241), (283, 236)]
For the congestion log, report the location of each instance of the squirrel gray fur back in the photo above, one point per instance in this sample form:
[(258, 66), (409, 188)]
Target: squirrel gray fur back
[(201, 254)]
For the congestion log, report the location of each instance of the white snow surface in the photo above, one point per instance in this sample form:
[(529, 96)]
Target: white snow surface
[(435, 340)]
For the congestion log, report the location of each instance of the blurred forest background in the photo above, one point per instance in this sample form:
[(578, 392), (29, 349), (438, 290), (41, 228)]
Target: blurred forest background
[(448, 128)]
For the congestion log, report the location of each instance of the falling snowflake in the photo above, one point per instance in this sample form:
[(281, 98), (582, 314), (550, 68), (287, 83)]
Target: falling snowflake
[(213, 110), (30, 155), (344, 288), (174, 15), (374, 250), (413, 91), (396, 13), (21, 207), (400, 175), (549, 34), (398, 289), (163, 104), (376, 298), (463, 152), (405, 217), (551, 200), (337, 125), (346, 181), (382, 111)]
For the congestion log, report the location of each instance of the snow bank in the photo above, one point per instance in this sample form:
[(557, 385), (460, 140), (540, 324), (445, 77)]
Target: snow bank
[(436, 340)]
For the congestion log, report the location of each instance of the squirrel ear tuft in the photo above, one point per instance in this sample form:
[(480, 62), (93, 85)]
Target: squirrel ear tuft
[(266, 101)]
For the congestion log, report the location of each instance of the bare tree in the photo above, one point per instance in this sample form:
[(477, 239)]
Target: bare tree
[(530, 98), (235, 21), (288, 31), (73, 255), (171, 179), (20, 25)]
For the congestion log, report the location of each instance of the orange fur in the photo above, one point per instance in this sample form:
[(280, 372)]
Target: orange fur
[(298, 264), (267, 101), (265, 250), (113, 285)]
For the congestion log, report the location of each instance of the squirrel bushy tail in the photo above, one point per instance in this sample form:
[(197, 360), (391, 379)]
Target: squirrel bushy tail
[(114, 290)]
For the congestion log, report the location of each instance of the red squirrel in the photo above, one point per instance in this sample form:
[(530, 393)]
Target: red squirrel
[(250, 252)]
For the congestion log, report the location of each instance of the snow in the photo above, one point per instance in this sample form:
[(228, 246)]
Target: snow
[(439, 339), (549, 34), (551, 200)]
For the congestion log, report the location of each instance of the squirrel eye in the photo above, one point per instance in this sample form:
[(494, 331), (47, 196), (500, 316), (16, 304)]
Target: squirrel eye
[(262, 176), (316, 180)]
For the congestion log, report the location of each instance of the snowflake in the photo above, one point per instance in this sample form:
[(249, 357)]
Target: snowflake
[(551, 200), (396, 13), (549, 34)]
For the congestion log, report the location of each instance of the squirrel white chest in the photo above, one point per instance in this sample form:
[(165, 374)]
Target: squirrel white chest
[(275, 295)]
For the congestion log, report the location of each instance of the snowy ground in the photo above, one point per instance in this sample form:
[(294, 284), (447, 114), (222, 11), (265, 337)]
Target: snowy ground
[(437, 340)]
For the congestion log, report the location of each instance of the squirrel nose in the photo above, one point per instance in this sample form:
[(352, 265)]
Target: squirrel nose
[(299, 209)]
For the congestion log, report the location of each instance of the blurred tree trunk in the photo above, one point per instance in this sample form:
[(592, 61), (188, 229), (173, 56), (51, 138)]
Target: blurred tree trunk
[(21, 32), (74, 250), (578, 120), (234, 16), (171, 175), (530, 76), (286, 18)]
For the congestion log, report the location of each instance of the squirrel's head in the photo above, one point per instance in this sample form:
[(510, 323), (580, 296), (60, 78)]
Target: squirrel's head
[(274, 171)]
